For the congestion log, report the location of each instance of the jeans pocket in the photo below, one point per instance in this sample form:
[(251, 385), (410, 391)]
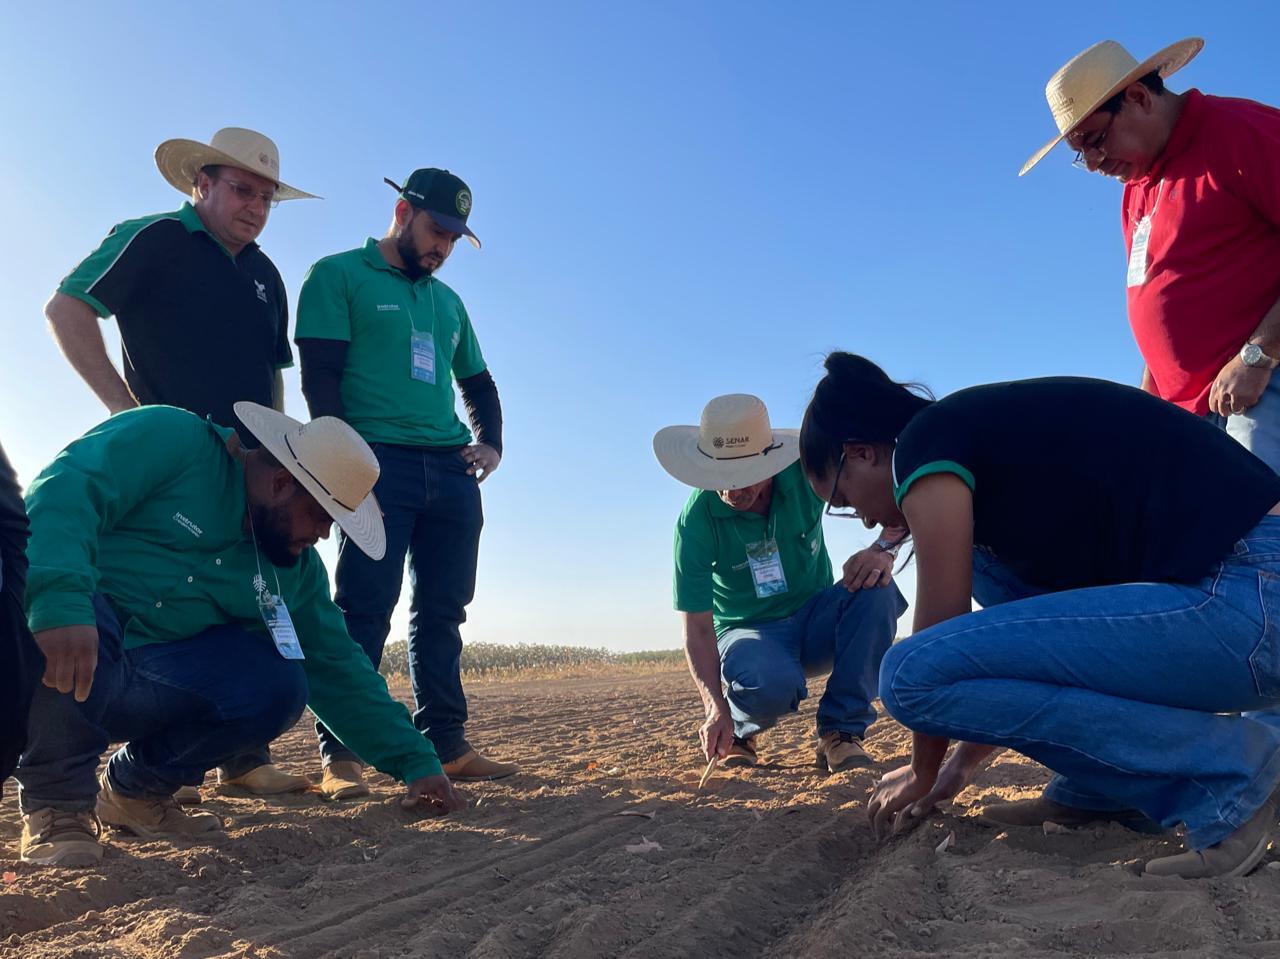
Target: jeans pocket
[(1264, 661)]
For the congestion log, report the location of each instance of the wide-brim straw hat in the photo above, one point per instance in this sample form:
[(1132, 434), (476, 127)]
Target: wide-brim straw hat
[(1093, 77), (331, 462), (180, 160), (733, 447)]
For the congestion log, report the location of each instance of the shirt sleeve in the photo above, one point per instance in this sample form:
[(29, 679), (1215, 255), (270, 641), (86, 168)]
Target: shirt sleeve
[(467, 360), (694, 559), (324, 310), (1252, 155), (109, 276), (347, 693), (284, 353), (85, 492), (928, 445)]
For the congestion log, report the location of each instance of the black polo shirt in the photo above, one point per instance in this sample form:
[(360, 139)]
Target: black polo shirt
[(200, 329), (1080, 482)]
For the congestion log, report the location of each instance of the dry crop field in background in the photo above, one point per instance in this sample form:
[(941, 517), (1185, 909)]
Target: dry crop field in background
[(604, 847)]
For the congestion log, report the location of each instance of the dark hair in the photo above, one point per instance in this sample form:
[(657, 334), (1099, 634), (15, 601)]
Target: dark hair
[(211, 170), (1151, 81), (855, 402)]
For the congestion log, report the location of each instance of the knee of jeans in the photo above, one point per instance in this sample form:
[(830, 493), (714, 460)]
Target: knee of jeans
[(282, 696), (901, 685), (766, 695)]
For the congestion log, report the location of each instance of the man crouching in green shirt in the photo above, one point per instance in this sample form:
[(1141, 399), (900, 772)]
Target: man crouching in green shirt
[(182, 610), (754, 582)]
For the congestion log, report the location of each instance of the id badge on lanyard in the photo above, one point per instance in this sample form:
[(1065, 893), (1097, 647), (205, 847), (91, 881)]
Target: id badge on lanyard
[(1137, 274), (276, 615), (766, 568), (422, 346)]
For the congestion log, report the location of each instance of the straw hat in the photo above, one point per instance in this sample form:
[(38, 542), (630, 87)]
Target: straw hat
[(733, 447), (331, 462), (180, 160), (1092, 78)]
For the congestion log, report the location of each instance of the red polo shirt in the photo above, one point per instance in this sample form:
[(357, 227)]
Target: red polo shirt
[(1214, 250)]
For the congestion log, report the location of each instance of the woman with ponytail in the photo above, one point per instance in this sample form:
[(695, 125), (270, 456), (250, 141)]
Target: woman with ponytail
[(1127, 556)]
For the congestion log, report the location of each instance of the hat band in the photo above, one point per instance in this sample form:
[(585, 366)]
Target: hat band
[(725, 459), (316, 479)]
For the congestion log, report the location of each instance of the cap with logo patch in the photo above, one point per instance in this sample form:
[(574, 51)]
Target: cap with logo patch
[(441, 194)]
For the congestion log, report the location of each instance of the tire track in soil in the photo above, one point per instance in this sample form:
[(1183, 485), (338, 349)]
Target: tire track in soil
[(774, 861)]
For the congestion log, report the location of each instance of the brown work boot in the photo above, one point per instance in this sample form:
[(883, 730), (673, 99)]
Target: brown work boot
[(267, 780), (343, 779), (55, 837), (471, 767), (154, 816), (742, 752), (839, 751), (1034, 813), (188, 796), (1237, 855)]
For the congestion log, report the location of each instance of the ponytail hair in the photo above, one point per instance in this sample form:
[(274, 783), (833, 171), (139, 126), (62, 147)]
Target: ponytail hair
[(855, 402)]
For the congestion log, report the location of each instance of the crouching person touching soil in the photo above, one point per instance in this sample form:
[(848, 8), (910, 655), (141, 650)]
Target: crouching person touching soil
[(182, 610), (754, 583), (1127, 554)]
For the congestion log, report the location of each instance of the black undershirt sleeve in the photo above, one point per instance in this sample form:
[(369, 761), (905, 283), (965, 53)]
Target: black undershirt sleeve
[(322, 364), (480, 397)]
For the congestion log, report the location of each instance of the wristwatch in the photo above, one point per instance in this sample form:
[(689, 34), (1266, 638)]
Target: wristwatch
[(885, 546), (1251, 355)]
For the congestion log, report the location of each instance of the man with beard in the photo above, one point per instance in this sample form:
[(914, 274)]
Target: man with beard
[(182, 610), (381, 341), (1201, 221)]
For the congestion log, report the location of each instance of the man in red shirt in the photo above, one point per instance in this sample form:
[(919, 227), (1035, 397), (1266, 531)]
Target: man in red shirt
[(1201, 223)]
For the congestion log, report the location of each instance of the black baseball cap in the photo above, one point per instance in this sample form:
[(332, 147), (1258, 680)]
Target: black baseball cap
[(441, 194)]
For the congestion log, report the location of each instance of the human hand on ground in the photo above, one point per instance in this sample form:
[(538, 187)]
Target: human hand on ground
[(716, 734), (892, 801), (433, 795), (866, 568), (482, 459), (71, 656), (1237, 387)]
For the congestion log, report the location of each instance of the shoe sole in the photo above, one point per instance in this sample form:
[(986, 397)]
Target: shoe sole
[(853, 762), (344, 792), (492, 777), (77, 857)]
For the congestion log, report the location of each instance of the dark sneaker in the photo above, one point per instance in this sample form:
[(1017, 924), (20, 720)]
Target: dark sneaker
[(840, 751), (741, 753), (1034, 813), (55, 837), (1237, 855), (153, 816)]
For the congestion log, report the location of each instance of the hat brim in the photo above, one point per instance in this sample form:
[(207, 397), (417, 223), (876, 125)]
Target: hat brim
[(362, 525), (180, 160), (677, 450), (1168, 61), (453, 225)]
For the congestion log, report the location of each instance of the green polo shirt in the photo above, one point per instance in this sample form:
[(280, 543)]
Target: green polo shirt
[(147, 508), (357, 296), (712, 570)]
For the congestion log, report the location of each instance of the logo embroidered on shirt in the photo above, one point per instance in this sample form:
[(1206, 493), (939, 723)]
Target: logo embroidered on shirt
[(262, 290), (385, 307), (186, 524)]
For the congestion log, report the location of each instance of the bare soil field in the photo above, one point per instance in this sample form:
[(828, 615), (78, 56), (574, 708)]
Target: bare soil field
[(603, 847)]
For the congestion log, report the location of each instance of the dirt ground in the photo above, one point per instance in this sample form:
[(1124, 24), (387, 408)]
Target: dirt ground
[(773, 861)]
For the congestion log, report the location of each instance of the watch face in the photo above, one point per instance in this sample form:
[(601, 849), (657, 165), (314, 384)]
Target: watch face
[(1251, 354)]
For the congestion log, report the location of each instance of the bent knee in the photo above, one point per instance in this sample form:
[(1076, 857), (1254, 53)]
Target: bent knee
[(901, 685), (764, 696)]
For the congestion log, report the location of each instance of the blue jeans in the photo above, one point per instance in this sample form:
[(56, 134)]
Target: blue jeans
[(1257, 429), (1118, 689), (764, 666), (180, 708), (431, 511)]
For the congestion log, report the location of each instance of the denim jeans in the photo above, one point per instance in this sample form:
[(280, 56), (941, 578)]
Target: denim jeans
[(180, 708), (1257, 429), (764, 667), (1121, 690), (431, 511)]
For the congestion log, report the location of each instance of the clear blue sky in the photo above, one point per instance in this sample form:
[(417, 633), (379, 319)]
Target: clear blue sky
[(676, 199)]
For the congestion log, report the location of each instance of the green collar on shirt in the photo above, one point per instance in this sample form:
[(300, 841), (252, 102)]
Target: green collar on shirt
[(373, 256)]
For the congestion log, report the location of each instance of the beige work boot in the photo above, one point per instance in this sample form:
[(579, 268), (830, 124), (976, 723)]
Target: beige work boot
[(188, 796), (840, 751), (267, 780), (471, 767), (742, 752), (55, 837), (343, 779), (155, 816), (1237, 855)]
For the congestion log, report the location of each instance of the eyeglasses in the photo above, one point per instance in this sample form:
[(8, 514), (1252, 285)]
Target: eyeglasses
[(830, 511), (247, 194), (1093, 142)]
